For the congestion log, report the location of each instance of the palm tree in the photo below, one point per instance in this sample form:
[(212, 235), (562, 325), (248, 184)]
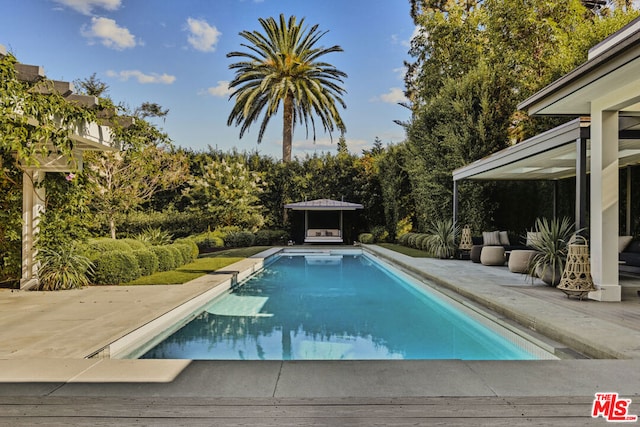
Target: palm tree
[(283, 66)]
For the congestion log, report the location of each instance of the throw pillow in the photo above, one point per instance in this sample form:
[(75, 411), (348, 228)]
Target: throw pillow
[(532, 236), (504, 238), (491, 238), (623, 242)]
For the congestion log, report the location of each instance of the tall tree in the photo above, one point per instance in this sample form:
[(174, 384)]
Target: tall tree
[(283, 66)]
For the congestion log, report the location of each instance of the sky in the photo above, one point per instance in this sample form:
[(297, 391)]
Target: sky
[(173, 53)]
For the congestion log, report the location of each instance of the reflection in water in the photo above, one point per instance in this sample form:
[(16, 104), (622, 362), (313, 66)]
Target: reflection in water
[(338, 308)]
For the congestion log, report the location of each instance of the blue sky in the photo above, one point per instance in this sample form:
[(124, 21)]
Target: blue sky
[(173, 52)]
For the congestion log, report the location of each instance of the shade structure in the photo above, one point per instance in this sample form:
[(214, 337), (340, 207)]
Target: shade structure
[(323, 234)]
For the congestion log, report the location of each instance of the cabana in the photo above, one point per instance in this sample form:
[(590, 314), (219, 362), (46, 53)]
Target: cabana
[(605, 90), (323, 219)]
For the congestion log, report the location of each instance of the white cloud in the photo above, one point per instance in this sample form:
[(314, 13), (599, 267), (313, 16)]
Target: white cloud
[(394, 96), (203, 37), (221, 90), (86, 6), (109, 33), (142, 77)]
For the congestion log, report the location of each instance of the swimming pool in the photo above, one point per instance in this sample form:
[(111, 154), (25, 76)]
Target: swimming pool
[(333, 306)]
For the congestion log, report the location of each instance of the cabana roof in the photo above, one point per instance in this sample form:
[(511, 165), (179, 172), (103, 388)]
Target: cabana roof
[(323, 205)]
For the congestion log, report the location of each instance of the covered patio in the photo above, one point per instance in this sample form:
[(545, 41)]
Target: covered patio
[(605, 91), (323, 219)]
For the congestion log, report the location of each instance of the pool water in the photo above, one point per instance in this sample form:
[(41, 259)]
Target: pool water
[(332, 307)]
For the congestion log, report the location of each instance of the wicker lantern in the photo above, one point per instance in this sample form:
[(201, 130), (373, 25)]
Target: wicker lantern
[(465, 239), (576, 278)]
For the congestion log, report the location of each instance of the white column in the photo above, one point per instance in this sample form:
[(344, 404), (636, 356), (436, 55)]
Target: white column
[(604, 204), (33, 197)]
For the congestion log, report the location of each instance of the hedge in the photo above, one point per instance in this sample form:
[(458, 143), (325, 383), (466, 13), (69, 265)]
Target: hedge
[(115, 267), (166, 260), (147, 260)]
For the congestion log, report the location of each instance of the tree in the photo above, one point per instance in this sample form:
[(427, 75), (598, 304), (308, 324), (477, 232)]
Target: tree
[(283, 66), (124, 180), (230, 192), (92, 86)]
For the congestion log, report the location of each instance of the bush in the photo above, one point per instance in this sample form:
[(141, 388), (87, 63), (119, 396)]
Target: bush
[(147, 261), (115, 267), (65, 268), (105, 244), (207, 241), (379, 233), (193, 252), (155, 236), (421, 242), (403, 239), (176, 253), (186, 250), (239, 239), (365, 238), (166, 261), (271, 237), (134, 244)]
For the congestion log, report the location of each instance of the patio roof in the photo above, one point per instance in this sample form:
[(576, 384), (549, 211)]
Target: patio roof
[(550, 155), (323, 205)]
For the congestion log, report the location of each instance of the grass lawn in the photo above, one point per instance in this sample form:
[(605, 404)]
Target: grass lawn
[(206, 263), (405, 250)]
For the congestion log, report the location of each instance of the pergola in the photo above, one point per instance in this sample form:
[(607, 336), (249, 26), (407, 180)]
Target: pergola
[(323, 234), (605, 90), (87, 136)]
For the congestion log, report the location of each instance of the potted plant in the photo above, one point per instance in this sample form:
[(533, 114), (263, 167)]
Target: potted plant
[(550, 243), (441, 239)]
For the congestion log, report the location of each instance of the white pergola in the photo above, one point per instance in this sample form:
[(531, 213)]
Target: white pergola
[(87, 136), (605, 90)]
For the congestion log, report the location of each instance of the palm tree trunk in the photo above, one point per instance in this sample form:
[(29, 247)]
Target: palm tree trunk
[(287, 128)]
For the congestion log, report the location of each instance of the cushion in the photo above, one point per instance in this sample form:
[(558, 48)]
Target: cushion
[(318, 233), (491, 238), (623, 242), (504, 239), (329, 233), (531, 237)]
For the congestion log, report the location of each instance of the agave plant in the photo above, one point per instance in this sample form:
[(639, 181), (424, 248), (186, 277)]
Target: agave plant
[(441, 239), (155, 236), (551, 246), (64, 268)]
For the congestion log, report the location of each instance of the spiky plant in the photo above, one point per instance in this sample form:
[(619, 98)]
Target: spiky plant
[(154, 236), (551, 246), (441, 240), (63, 268)]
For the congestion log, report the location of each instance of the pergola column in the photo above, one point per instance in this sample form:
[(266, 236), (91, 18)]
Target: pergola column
[(604, 204), (33, 203)]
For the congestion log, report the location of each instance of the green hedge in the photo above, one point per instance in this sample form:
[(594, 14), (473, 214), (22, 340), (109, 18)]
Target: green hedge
[(166, 261), (147, 260), (239, 239), (176, 253), (134, 244), (115, 267), (207, 241), (271, 238), (193, 250), (100, 245)]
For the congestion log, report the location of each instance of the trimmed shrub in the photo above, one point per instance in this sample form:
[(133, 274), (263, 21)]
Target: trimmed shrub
[(134, 244), (193, 252), (147, 261), (105, 244), (403, 239), (178, 258), (166, 261), (114, 268), (271, 237), (186, 250), (365, 238), (421, 241), (207, 241), (239, 239)]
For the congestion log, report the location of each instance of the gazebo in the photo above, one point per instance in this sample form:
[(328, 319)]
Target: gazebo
[(323, 219), (85, 136)]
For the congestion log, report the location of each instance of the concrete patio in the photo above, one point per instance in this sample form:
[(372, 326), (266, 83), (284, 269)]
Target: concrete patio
[(45, 377)]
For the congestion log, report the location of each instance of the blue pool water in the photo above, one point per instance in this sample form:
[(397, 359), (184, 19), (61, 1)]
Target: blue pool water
[(332, 307)]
